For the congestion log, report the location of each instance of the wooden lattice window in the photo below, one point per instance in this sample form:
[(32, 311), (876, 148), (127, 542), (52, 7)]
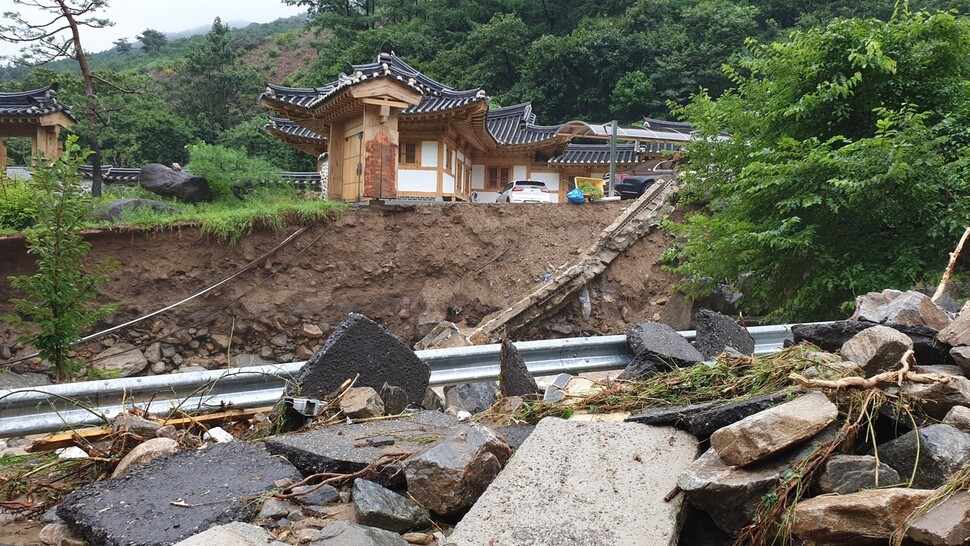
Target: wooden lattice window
[(497, 178), (409, 154)]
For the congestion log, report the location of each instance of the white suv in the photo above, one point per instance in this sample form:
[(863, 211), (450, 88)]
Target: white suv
[(524, 191)]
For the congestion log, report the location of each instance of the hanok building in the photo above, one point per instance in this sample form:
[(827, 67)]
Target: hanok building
[(36, 114), (392, 132)]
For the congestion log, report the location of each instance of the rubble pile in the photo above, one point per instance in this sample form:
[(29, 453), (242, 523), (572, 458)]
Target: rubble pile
[(857, 433)]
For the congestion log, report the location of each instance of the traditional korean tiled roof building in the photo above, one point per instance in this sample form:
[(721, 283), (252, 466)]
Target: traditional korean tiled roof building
[(392, 132), (36, 114)]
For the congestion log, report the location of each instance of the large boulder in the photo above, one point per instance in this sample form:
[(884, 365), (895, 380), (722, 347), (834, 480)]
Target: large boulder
[(946, 524), (844, 474), (716, 332), (584, 484), (866, 517), (167, 182), (657, 348), (706, 422), (937, 398), (893, 307), (877, 349), (114, 210), (763, 434), (123, 359), (361, 346), (448, 477), (830, 336), (937, 451), (957, 334)]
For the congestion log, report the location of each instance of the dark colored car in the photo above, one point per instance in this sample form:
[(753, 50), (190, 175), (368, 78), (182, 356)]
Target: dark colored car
[(632, 187)]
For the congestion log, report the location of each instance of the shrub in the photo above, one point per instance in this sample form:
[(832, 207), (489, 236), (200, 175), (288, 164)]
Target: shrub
[(230, 171), (18, 203), (591, 190)]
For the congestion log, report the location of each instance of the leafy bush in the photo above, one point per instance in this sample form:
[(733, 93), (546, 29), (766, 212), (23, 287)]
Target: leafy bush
[(18, 203), (591, 190), (230, 171)]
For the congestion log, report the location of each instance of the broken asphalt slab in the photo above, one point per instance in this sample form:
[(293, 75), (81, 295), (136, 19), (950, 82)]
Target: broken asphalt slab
[(175, 496), (589, 484)]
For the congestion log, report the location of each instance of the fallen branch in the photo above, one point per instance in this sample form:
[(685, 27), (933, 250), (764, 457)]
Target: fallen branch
[(897, 376), (331, 477), (949, 268)]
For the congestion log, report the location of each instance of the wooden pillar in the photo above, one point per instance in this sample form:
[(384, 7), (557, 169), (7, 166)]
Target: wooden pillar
[(3, 154), (336, 147), (381, 146)]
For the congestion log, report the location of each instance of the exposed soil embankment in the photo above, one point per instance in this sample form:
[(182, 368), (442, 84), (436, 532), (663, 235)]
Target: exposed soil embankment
[(408, 267)]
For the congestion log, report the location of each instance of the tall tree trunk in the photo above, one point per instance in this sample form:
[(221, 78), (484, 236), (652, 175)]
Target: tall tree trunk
[(90, 113)]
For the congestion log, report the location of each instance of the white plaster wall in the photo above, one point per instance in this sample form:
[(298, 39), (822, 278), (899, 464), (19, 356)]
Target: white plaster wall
[(478, 177), (520, 172), (487, 196), (429, 153), (447, 183), (412, 180), (552, 182)]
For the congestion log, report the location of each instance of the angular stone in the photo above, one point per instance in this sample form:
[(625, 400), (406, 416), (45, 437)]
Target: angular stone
[(471, 397), (275, 509), (844, 474), (344, 533), (311, 331), (163, 180), (958, 417), (939, 397), (715, 332), (957, 334), (209, 487), (236, 533), (961, 356), (361, 403), (706, 422), (830, 336), (856, 518), (910, 308), (135, 424), (763, 434), (10, 380), (657, 347), (589, 483), (670, 416), (148, 450), (247, 360), (379, 507), (341, 449), (220, 341), (123, 358), (515, 435), (939, 451), (395, 399), (317, 496), (448, 477), (361, 346), (431, 401), (877, 349), (514, 376), (946, 524), (731, 495)]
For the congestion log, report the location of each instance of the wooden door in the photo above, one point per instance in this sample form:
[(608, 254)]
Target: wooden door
[(353, 167)]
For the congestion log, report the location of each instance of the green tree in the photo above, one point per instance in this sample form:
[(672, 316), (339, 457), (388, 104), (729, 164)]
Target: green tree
[(57, 308), (250, 136), (122, 46), (847, 166), (152, 41), (228, 170)]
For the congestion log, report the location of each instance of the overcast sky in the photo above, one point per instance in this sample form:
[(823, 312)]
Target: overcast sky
[(132, 17)]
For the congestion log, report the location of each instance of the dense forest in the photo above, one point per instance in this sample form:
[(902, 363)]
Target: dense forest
[(574, 59)]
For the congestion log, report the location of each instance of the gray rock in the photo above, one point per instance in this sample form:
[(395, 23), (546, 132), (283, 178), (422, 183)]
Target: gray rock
[(910, 308), (515, 435), (763, 434), (236, 533), (514, 376), (164, 181), (939, 397), (149, 450), (584, 484), (961, 356), (657, 348), (317, 496), (707, 421), (361, 403), (957, 334), (361, 346), (831, 336), (958, 417), (866, 517), (946, 524), (716, 332), (275, 509), (731, 495), (670, 416), (844, 474), (379, 507), (122, 358), (877, 349), (431, 401), (395, 399), (112, 211), (448, 477), (339, 448), (247, 360), (10, 380), (471, 397), (939, 451), (214, 486), (344, 533)]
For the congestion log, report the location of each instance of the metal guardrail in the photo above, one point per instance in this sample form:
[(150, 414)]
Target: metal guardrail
[(59, 407)]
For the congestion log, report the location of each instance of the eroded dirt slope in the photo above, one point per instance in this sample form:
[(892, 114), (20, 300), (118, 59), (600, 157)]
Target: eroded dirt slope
[(406, 267)]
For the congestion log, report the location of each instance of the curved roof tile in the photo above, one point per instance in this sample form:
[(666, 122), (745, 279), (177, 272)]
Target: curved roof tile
[(34, 102)]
